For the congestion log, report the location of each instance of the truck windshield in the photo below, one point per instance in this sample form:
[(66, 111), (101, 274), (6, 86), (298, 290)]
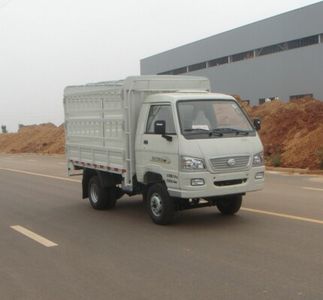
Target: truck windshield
[(212, 118)]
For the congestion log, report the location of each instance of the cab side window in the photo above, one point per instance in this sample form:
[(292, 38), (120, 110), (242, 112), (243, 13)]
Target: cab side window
[(160, 113)]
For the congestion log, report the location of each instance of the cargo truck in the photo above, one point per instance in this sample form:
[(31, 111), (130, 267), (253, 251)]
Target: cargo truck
[(167, 138)]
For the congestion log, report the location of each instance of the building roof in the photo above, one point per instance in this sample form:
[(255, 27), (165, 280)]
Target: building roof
[(273, 30)]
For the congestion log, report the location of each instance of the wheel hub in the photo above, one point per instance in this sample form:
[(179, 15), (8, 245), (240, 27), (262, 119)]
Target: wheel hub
[(94, 193), (156, 205)]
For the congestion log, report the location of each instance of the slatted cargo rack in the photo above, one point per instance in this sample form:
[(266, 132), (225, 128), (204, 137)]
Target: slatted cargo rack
[(101, 120)]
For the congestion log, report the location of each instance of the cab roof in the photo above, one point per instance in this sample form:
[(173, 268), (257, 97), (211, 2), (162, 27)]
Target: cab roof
[(187, 95)]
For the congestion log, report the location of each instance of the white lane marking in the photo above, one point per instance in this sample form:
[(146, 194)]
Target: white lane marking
[(244, 208), (279, 173), (41, 175), (312, 189), (292, 217), (316, 179), (272, 172), (34, 236)]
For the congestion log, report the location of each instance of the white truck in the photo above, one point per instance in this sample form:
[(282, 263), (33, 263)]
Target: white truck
[(165, 137)]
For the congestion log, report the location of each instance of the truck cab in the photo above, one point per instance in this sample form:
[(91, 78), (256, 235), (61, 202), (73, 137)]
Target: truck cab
[(199, 145)]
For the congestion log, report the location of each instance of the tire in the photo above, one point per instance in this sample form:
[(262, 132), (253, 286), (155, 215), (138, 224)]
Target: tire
[(160, 205), (144, 194), (229, 205), (101, 198)]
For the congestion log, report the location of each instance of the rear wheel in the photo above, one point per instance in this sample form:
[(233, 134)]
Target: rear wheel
[(100, 197), (229, 205), (160, 205)]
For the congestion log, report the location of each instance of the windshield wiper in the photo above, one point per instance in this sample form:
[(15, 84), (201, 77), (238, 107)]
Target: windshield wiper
[(196, 129), (230, 130), (203, 130)]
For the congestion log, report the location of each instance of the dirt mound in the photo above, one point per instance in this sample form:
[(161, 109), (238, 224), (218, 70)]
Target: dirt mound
[(43, 138), (292, 133)]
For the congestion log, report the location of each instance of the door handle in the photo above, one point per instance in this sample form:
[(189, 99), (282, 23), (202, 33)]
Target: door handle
[(145, 142)]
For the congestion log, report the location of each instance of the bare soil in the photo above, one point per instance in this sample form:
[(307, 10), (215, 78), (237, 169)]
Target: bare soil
[(43, 138), (292, 134)]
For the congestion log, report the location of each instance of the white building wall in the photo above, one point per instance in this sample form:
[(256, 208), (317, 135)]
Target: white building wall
[(282, 74)]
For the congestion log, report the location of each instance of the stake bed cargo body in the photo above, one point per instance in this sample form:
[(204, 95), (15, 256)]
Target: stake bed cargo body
[(162, 136), (101, 120)]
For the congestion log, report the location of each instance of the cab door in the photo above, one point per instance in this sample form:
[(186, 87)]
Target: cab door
[(157, 149)]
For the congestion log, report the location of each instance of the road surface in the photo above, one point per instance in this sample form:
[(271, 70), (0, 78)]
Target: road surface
[(55, 246)]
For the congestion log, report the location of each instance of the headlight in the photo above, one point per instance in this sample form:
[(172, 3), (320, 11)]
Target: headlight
[(192, 164), (258, 159)]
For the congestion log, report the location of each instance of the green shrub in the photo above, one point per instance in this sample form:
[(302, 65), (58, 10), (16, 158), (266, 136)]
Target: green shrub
[(276, 159), (320, 156)]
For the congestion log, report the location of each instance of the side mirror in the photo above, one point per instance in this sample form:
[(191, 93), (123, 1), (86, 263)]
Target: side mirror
[(257, 123), (160, 127)]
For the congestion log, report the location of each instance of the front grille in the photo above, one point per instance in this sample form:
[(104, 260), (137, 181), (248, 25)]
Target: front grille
[(230, 182), (222, 164)]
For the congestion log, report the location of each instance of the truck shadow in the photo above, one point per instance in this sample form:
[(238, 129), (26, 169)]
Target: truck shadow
[(134, 208)]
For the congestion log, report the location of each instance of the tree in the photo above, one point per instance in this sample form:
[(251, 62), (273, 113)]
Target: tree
[(4, 129)]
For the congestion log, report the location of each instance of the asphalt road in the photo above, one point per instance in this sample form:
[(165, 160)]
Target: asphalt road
[(273, 249)]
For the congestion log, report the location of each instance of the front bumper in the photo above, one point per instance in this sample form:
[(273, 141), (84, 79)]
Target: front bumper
[(218, 184)]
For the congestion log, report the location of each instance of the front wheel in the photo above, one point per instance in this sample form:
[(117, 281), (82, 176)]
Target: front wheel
[(100, 197), (229, 205), (160, 205)]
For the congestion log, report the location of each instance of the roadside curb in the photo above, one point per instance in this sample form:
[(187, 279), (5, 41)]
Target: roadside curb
[(295, 170)]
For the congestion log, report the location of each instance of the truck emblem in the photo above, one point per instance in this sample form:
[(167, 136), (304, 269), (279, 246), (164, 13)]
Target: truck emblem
[(231, 162)]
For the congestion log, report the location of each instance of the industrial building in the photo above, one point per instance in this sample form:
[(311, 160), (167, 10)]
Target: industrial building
[(279, 57)]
